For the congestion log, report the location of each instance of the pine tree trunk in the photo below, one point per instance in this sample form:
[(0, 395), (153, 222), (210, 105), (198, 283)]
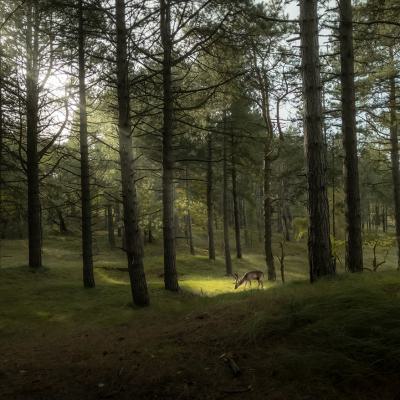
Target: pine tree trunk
[(61, 222), (133, 241), (383, 219), (354, 253), (263, 82), (260, 214), (227, 248), (3, 222), (319, 245), (269, 258), (333, 193), (236, 217), (189, 217), (369, 224), (170, 274), (118, 218), (287, 223), (377, 218), (286, 214), (279, 217), (394, 156), (32, 101), (87, 257), (210, 205), (247, 241), (110, 226), (150, 238)]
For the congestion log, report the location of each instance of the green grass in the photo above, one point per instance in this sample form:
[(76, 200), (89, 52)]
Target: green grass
[(55, 296), (338, 338)]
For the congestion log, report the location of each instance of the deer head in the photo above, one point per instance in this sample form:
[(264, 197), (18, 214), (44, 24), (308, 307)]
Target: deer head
[(236, 276)]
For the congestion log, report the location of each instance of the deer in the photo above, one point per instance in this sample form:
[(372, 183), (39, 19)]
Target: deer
[(248, 277)]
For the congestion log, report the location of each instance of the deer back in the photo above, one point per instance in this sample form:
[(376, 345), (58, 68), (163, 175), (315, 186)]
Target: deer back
[(253, 275)]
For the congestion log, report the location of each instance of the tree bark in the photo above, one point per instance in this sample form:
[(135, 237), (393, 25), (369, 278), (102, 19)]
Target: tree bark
[(333, 191), (286, 214), (210, 205), (61, 222), (383, 216), (279, 217), (260, 213), (269, 257), (264, 86), (87, 256), (32, 104), (377, 217), (245, 225), (227, 248), (110, 226), (133, 241), (170, 274), (236, 217), (369, 223), (188, 216), (319, 245), (150, 237), (118, 218), (354, 253), (2, 218), (394, 156)]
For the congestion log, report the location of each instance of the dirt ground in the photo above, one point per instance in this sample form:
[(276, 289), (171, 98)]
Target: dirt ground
[(184, 360), (175, 362)]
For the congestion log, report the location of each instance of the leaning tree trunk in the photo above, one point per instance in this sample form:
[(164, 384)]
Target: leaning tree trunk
[(354, 254), (227, 247), (32, 104), (133, 241), (394, 155), (87, 256), (210, 205), (236, 216), (170, 274), (319, 244)]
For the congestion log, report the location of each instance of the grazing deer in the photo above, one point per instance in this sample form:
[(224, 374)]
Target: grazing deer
[(248, 277)]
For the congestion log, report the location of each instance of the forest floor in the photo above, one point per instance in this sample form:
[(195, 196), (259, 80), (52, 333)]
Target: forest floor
[(337, 339)]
